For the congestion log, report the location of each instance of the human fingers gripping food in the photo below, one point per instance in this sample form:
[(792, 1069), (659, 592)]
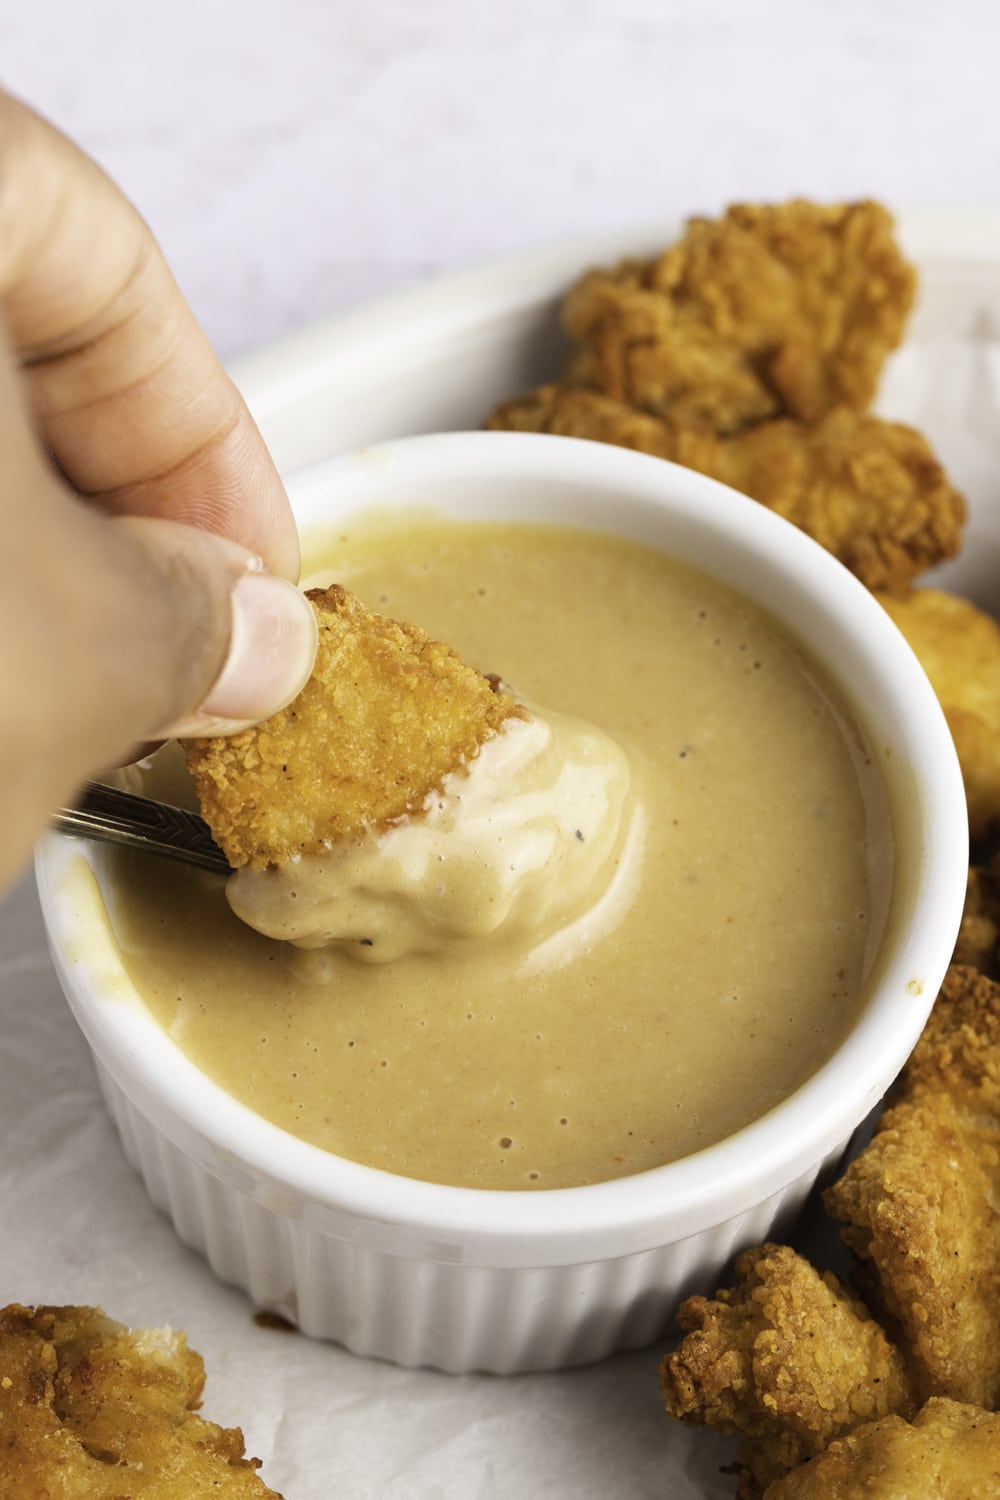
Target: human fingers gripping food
[(385, 716), (405, 803)]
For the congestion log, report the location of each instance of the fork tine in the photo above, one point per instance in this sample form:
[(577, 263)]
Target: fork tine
[(117, 817)]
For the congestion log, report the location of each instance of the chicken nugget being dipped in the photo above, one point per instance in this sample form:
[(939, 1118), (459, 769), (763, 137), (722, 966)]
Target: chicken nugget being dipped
[(385, 716), (405, 801)]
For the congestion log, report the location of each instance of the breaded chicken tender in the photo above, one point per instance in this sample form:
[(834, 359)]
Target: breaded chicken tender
[(92, 1411), (959, 1048), (920, 1201), (959, 649), (386, 715), (871, 492), (950, 1451), (771, 310), (786, 1358), (979, 934)]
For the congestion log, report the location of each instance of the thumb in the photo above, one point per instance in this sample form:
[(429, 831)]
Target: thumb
[(124, 629), (230, 642), (175, 631)]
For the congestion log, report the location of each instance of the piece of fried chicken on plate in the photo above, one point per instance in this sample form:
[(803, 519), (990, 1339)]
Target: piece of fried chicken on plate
[(959, 1049), (958, 647), (769, 310), (919, 1203), (978, 944), (387, 714), (90, 1410), (950, 1451), (871, 492), (786, 1358)]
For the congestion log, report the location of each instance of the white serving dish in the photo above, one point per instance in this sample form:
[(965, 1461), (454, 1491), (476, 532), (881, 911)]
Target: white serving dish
[(462, 1279)]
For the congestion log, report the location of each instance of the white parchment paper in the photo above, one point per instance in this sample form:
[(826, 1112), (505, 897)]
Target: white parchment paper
[(77, 1226)]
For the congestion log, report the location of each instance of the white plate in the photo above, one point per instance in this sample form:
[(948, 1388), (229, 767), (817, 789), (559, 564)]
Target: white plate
[(324, 1422), (438, 357)]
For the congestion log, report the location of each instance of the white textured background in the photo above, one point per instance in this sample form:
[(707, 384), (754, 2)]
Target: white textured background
[(295, 158)]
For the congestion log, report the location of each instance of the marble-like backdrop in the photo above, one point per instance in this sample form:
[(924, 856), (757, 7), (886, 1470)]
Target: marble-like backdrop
[(297, 157)]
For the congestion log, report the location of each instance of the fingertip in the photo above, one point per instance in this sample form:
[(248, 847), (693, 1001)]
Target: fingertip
[(272, 651)]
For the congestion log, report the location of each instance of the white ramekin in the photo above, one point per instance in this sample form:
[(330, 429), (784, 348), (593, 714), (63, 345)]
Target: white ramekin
[(466, 1279)]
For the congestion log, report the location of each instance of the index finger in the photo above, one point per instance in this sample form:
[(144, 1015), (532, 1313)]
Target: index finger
[(125, 389)]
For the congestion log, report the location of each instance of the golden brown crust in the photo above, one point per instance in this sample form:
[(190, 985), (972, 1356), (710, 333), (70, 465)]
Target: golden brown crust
[(919, 1202), (959, 648), (958, 1052), (871, 492), (979, 934), (769, 310), (786, 1358), (950, 1451), (91, 1411), (386, 715)]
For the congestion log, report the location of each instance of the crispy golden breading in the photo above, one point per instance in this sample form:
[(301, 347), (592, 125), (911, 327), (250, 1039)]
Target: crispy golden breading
[(959, 648), (950, 1451), (386, 715), (870, 492), (567, 412), (770, 310), (919, 1202), (786, 1358), (91, 1411), (979, 934), (918, 1208), (958, 1052)]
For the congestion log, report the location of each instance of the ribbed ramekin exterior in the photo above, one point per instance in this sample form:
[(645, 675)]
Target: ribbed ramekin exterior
[(445, 1315)]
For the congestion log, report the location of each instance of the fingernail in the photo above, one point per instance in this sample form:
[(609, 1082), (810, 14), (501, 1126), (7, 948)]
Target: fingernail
[(271, 654)]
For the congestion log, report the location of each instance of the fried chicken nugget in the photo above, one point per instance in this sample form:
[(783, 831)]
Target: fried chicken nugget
[(386, 715), (979, 934), (871, 492), (919, 1202), (959, 1048), (92, 1411), (770, 310), (959, 649), (950, 1451), (786, 1358)]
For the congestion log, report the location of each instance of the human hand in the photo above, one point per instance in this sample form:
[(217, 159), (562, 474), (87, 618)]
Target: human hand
[(139, 509)]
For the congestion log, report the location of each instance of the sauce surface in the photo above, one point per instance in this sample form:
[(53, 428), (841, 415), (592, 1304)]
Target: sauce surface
[(729, 978)]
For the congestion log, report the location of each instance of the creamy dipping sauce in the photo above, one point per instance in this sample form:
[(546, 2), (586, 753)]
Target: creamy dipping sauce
[(724, 970), (538, 835)]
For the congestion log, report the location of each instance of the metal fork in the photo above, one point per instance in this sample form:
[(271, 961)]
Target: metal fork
[(104, 812)]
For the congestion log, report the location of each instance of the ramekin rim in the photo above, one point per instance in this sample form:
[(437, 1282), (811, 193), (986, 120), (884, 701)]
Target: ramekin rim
[(699, 1190)]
